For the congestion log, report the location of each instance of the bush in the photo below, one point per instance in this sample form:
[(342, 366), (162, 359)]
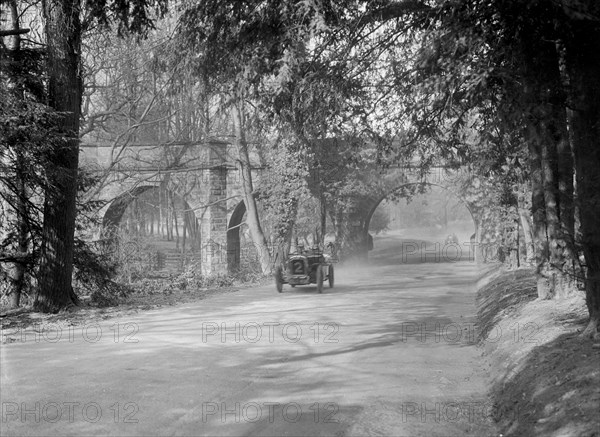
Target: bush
[(191, 278)]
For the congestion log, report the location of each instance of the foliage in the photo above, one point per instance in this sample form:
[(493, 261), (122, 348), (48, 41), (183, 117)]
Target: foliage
[(27, 131), (131, 17), (285, 187), (333, 91)]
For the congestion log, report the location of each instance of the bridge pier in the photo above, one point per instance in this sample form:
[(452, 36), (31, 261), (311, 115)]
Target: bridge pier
[(214, 219)]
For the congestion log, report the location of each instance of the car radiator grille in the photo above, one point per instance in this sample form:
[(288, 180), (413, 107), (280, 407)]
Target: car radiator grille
[(297, 268)]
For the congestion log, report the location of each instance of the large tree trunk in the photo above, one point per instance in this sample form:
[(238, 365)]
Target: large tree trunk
[(583, 65), (548, 140), (63, 47), (252, 218), (560, 250)]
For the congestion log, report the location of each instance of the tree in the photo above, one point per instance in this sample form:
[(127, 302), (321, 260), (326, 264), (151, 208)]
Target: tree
[(240, 43), (64, 26), (17, 203), (252, 217), (63, 39), (284, 190), (438, 64), (519, 53), (583, 65), (26, 132)]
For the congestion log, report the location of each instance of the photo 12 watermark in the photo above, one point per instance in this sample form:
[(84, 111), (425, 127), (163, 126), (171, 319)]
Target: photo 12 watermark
[(271, 412), (70, 412), (437, 252), (459, 411), (271, 332), (52, 332), (466, 333)]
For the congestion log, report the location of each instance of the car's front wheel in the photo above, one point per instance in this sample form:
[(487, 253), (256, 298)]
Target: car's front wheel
[(279, 279), (320, 279)]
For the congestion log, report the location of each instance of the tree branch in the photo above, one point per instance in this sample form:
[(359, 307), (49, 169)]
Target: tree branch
[(10, 32), (393, 10), (15, 256)]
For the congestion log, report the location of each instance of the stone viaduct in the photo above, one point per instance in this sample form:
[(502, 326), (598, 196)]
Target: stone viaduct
[(207, 179), (215, 194)]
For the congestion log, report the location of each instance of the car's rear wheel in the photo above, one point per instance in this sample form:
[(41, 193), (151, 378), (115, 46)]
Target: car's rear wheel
[(331, 276), (279, 279), (320, 279)]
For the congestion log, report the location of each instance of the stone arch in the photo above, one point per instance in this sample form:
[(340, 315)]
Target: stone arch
[(234, 249), (375, 202), (114, 213)]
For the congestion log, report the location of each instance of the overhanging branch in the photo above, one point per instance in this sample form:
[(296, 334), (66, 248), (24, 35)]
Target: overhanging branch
[(10, 32), (394, 10), (15, 256)]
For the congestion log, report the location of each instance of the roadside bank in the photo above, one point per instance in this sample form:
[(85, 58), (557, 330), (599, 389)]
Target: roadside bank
[(545, 376)]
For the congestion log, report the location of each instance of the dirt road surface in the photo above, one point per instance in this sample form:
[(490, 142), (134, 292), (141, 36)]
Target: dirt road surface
[(390, 350)]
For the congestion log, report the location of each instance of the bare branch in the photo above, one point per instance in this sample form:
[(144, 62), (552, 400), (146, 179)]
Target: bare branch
[(10, 32), (394, 10), (15, 256)]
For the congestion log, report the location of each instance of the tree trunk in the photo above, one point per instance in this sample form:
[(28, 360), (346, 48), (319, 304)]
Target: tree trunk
[(528, 235), (287, 236), (338, 223), (323, 204), (252, 218), (184, 238), (283, 236), (539, 220), (175, 223), (560, 261), (583, 64), (547, 135), (63, 47)]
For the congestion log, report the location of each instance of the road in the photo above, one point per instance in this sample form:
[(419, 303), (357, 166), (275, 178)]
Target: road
[(388, 351)]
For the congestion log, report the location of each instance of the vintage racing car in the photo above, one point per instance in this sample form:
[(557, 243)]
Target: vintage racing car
[(305, 267)]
